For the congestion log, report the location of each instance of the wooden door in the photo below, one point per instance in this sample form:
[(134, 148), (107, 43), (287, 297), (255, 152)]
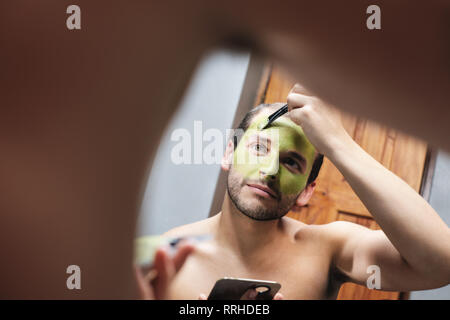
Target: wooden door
[(333, 198)]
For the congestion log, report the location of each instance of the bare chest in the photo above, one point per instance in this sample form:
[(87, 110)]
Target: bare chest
[(303, 274)]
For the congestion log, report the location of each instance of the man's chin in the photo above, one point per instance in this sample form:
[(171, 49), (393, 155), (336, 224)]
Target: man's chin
[(262, 218), (259, 213), (255, 207)]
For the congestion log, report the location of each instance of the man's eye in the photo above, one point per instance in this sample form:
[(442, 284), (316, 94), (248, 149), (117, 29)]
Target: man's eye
[(293, 164), (259, 148)]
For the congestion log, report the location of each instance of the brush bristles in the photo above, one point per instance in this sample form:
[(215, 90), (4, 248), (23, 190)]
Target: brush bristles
[(263, 124)]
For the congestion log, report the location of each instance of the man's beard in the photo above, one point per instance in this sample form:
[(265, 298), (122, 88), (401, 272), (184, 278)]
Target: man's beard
[(256, 210)]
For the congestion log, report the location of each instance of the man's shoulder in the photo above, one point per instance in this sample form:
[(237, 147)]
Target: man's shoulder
[(341, 229), (195, 228)]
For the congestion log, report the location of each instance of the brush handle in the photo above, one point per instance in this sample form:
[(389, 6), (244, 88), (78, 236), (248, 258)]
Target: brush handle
[(274, 116)]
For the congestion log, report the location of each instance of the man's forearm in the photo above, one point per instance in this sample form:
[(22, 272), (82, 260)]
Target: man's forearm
[(410, 223)]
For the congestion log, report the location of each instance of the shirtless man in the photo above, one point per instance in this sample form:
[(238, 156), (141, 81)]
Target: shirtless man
[(253, 239)]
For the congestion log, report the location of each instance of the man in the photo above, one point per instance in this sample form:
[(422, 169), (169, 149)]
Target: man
[(272, 171)]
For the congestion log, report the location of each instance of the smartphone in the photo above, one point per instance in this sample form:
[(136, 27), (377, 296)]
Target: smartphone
[(234, 288)]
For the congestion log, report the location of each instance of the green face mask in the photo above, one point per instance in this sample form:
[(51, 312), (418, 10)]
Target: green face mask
[(272, 151)]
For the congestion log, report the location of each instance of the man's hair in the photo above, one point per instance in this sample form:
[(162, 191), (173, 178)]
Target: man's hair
[(245, 123)]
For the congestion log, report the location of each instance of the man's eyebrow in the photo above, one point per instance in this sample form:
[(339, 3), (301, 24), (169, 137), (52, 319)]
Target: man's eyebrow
[(259, 137)]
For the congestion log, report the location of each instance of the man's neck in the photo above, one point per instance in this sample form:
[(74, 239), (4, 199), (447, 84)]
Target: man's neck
[(244, 235)]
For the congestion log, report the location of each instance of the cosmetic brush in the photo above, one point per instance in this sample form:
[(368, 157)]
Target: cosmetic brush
[(145, 247), (274, 116)]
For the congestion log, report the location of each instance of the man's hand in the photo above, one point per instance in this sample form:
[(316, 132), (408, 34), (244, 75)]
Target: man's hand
[(155, 283), (320, 122)]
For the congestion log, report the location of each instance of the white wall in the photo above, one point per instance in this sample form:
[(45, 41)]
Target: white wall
[(180, 194), (440, 201)]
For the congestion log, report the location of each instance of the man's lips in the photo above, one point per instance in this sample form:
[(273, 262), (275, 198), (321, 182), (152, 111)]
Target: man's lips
[(264, 189)]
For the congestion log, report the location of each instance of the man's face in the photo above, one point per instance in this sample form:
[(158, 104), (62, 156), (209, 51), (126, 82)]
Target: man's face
[(270, 168)]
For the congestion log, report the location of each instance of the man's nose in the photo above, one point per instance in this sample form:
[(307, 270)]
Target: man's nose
[(270, 171), (270, 167), (264, 176)]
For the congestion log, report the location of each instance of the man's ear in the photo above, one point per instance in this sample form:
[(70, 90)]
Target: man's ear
[(227, 158), (304, 196)]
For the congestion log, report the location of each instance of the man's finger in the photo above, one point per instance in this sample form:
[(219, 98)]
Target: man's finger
[(184, 250), (298, 88), (296, 100), (278, 296), (144, 288), (166, 271)]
